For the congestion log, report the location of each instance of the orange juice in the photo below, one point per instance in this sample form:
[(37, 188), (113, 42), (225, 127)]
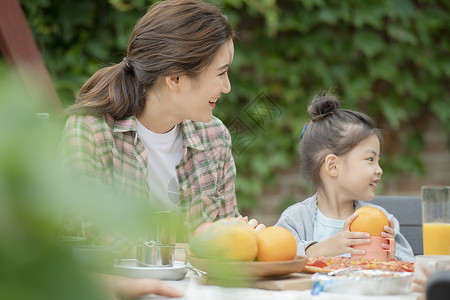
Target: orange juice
[(436, 238)]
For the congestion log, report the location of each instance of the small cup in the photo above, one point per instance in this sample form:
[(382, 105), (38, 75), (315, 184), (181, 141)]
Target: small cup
[(375, 250), (95, 258), (150, 254), (432, 262)]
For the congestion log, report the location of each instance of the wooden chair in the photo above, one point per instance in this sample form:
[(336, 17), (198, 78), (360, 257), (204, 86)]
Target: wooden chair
[(408, 211)]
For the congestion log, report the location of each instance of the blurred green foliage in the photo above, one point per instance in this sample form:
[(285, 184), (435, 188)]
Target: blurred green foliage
[(387, 58), (34, 193)]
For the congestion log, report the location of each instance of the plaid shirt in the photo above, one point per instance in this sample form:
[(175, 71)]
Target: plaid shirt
[(109, 150)]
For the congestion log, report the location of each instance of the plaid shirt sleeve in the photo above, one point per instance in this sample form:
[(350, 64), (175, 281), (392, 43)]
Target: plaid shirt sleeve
[(106, 150), (78, 154), (79, 149), (87, 150)]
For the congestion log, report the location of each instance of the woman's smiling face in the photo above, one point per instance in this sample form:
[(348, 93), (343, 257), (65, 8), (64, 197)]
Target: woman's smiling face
[(198, 96)]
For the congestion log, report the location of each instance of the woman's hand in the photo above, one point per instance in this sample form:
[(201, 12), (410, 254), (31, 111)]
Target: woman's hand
[(253, 223), (340, 243), (130, 288), (389, 233), (202, 227)]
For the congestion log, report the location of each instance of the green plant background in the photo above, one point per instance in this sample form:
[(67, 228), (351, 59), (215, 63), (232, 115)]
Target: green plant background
[(387, 58)]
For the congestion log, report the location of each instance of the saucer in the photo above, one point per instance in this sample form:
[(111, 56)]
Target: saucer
[(130, 268)]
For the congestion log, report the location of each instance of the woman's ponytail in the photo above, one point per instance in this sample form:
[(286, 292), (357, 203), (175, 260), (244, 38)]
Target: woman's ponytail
[(113, 90)]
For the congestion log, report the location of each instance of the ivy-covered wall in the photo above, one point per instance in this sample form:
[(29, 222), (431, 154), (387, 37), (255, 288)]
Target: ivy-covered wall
[(387, 58)]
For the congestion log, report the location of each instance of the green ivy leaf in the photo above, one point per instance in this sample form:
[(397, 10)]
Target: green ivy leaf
[(369, 42), (383, 68), (393, 113), (401, 34)]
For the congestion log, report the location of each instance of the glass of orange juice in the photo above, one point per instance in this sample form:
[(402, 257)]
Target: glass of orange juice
[(436, 220)]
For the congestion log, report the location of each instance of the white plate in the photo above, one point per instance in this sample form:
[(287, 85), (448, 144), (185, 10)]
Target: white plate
[(130, 268)]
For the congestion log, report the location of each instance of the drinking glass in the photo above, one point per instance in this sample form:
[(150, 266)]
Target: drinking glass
[(436, 220)]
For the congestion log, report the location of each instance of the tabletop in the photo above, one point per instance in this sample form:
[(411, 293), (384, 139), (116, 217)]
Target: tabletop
[(192, 288)]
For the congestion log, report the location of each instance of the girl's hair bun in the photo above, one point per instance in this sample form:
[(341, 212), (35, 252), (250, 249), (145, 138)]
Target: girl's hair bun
[(323, 105)]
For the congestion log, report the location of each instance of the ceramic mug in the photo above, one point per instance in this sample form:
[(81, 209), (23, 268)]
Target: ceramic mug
[(432, 262), (95, 258), (374, 249)]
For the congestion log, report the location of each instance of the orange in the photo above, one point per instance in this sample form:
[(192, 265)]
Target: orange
[(276, 244), (370, 220)]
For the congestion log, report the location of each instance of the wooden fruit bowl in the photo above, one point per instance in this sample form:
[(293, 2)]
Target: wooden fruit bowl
[(248, 269)]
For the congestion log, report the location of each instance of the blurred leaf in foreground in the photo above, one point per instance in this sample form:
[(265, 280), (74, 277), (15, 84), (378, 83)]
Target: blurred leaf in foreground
[(34, 191)]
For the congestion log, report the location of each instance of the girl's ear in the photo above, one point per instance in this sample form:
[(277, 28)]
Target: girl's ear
[(331, 165)]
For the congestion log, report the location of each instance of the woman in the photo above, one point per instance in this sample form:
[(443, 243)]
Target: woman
[(145, 126)]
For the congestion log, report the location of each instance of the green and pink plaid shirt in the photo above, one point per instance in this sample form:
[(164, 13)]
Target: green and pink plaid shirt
[(110, 150)]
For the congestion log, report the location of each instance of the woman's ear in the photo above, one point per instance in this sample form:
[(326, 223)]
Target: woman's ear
[(331, 165), (173, 82)]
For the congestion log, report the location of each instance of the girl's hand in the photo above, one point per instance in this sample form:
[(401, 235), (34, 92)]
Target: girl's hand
[(389, 233), (340, 243)]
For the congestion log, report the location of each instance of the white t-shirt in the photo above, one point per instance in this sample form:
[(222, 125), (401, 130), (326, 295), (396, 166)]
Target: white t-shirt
[(164, 152), (325, 227)]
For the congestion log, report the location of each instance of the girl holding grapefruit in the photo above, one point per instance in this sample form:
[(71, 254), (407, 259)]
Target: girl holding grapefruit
[(340, 154)]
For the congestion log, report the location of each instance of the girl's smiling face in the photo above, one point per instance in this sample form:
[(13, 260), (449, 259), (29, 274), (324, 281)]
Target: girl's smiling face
[(360, 171), (198, 96)]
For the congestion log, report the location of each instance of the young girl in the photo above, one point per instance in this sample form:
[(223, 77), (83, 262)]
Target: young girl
[(339, 153)]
